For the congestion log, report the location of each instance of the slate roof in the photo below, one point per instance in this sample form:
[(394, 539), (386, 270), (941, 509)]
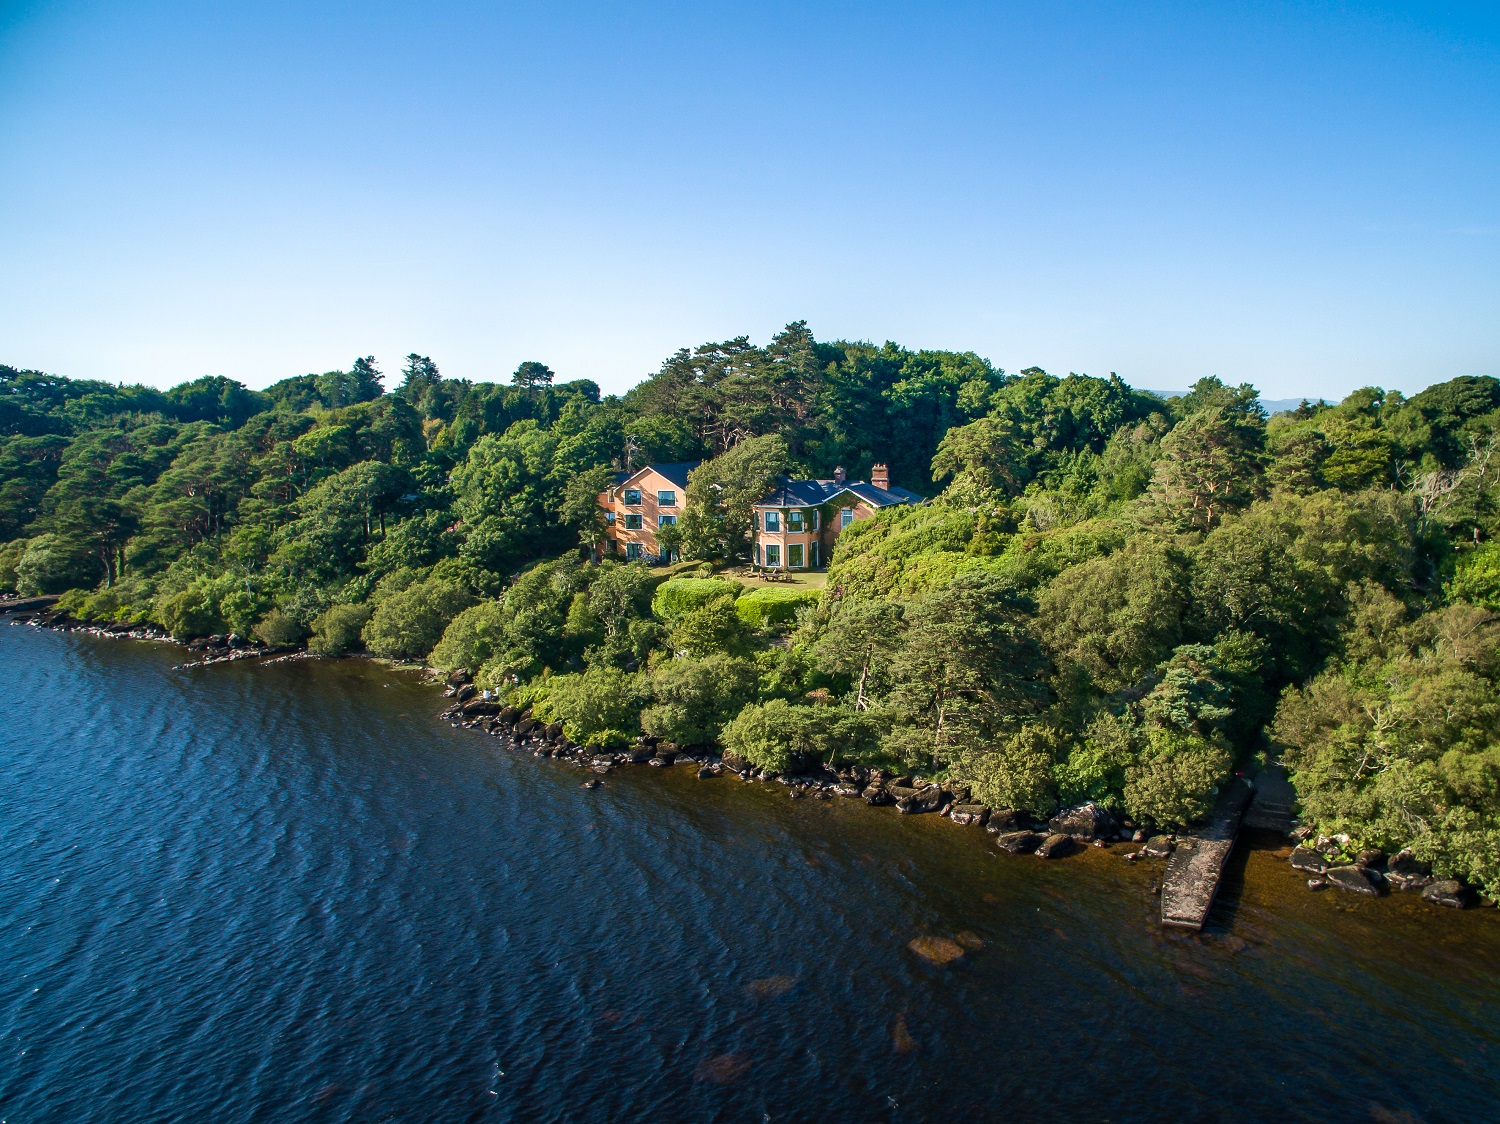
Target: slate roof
[(809, 493), (677, 473)]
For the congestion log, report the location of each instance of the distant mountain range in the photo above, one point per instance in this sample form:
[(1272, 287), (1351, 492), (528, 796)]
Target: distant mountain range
[(1272, 405)]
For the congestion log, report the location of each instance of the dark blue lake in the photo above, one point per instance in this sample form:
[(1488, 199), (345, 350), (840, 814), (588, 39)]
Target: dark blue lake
[(287, 893)]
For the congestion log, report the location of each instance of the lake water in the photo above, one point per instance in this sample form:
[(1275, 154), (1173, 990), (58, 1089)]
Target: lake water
[(287, 893)]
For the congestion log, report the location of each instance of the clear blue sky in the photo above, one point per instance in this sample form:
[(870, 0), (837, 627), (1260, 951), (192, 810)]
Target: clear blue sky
[(1305, 196)]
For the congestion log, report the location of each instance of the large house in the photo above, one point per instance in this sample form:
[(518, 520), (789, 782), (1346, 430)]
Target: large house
[(639, 504), (796, 523)]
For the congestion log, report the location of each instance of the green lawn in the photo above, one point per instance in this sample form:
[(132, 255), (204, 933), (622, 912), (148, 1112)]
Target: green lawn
[(798, 579)]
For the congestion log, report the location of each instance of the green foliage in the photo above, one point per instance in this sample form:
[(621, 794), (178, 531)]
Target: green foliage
[(695, 698), (1211, 466), (721, 494), (858, 645), (1191, 560), (1117, 616), (1174, 780), (190, 613), (677, 597), (1015, 771), (11, 554), (1476, 578), (472, 638), (408, 625), (967, 667), (766, 606), (337, 630), (778, 736), (1398, 744), (712, 627), (985, 460), (280, 629), (599, 707)]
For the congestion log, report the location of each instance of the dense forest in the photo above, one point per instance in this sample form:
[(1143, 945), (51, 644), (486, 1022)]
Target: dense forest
[(1111, 596)]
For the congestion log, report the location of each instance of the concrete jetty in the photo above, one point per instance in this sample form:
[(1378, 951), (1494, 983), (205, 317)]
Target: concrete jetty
[(1275, 801), (1193, 872)]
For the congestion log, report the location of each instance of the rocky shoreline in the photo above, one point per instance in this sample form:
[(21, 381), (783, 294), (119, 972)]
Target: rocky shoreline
[(1324, 859)]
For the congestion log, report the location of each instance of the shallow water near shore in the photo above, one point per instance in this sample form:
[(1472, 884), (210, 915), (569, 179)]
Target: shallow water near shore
[(287, 893)]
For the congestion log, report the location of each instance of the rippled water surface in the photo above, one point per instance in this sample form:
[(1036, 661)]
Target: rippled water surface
[(287, 893)]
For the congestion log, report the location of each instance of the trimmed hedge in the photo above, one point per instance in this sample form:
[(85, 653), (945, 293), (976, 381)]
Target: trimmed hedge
[(760, 607), (677, 597)]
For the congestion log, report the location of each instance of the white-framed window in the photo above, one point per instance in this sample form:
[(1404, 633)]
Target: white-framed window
[(773, 520), (632, 497), (846, 517), (757, 554), (794, 521), (632, 521), (609, 516), (814, 519), (773, 555), (665, 520), (666, 498), (794, 555), (813, 555), (633, 551)]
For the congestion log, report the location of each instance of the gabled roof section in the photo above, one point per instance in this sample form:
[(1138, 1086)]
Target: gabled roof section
[(677, 472), (881, 497), (810, 493)]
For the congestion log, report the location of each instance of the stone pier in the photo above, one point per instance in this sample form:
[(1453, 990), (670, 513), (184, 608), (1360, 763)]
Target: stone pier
[(1193, 872)]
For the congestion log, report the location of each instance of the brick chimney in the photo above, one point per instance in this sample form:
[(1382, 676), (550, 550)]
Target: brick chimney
[(839, 475), (880, 475)]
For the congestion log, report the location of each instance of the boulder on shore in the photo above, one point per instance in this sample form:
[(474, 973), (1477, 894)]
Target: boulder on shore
[(1305, 858), (1405, 871), (1055, 846), (1087, 821), (1449, 892), (1020, 842), (928, 799), (876, 796), (969, 813), (1007, 820), (1157, 847), (1353, 879)]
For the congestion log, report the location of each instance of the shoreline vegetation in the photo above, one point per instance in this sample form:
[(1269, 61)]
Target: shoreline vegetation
[(1113, 603)]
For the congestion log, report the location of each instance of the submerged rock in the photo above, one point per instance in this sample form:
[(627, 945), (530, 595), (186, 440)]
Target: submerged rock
[(1087, 821), (1406, 872), (1020, 842), (1354, 879), (1305, 858), (1157, 847), (1056, 846), (1449, 892), (939, 950), (1007, 820)]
